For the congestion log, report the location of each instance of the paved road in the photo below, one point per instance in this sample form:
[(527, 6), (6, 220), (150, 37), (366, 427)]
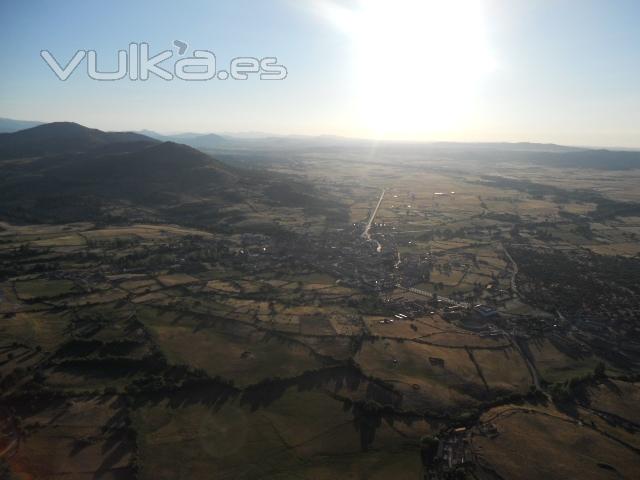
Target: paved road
[(514, 271), (366, 235)]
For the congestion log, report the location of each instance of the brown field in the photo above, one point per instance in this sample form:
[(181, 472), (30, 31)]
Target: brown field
[(299, 435), (464, 339), (69, 440), (536, 445), (34, 328), (43, 288), (556, 366), (244, 354), (397, 329), (616, 397), (140, 286), (440, 387), (106, 296), (176, 279), (504, 369), (629, 249), (143, 231)]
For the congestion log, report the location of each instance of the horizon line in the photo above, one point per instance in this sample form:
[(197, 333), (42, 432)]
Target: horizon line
[(256, 135)]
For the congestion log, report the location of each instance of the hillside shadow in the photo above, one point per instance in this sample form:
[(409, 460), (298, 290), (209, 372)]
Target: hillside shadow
[(332, 379), (211, 395)]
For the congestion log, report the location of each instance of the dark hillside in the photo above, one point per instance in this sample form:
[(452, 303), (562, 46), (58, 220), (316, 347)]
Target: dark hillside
[(61, 137)]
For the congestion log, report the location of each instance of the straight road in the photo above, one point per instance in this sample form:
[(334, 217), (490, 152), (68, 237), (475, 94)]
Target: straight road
[(366, 235)]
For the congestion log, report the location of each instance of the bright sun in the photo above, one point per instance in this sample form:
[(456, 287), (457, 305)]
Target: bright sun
[(417, 63)]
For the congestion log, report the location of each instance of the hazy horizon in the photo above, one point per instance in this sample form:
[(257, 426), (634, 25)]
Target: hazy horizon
[(265, 135)]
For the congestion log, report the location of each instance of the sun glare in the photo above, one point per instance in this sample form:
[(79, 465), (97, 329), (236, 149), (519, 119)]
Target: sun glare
[(416, 63)]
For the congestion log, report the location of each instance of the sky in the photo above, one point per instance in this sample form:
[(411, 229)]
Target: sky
[(561, 71)]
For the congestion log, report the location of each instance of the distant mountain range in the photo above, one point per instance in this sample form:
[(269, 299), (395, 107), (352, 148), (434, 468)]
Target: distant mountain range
[(61, 137), (560, 157), (65, 137), (196, 140), (65, 172), (9, 125)]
